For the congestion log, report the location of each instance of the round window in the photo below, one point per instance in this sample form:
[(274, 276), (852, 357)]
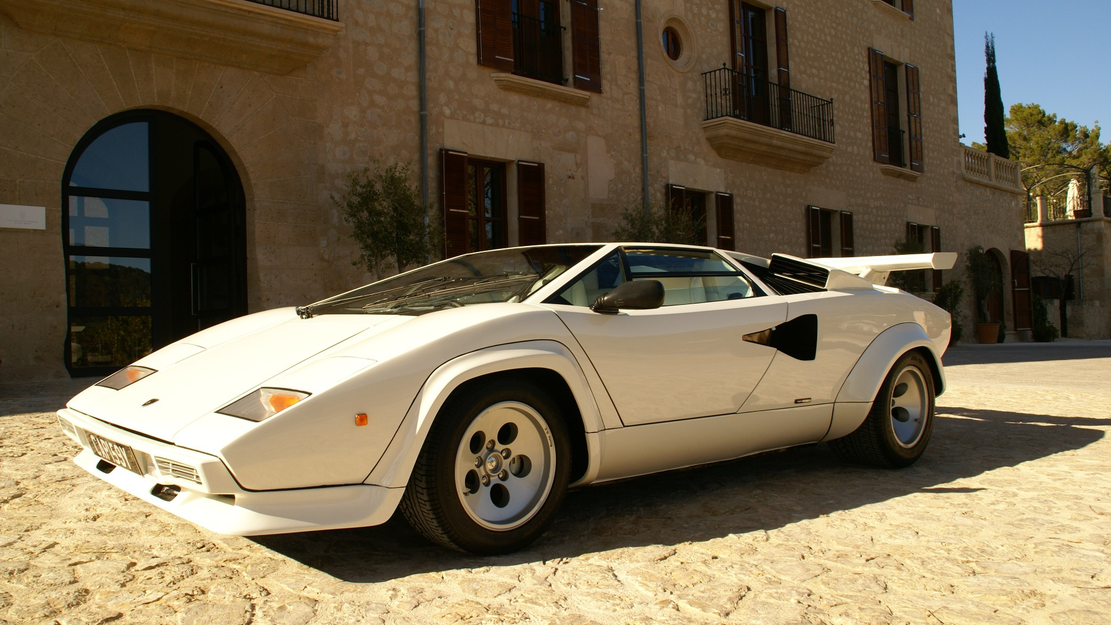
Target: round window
[(673, 44)]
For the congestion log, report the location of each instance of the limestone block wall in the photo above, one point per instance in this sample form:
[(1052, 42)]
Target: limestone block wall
[(1053, 246), (294, 136)]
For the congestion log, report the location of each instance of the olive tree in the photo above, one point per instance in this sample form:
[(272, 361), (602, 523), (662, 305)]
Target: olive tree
[(388, 219)]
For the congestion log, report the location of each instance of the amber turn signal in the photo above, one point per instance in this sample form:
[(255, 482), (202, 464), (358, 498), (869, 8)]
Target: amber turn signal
[(361, 419)]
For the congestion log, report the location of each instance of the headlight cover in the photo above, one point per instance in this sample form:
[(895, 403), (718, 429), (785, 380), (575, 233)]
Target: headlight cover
[(125, 377), (263, 403)]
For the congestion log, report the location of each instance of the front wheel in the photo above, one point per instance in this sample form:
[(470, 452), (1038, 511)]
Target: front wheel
[(493, 470), (898, 427)]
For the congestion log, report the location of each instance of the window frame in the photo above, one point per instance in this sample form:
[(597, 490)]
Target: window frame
[(906, 110), (627, 274), (844, 245)]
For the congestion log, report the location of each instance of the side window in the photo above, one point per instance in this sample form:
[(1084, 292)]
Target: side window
[(689, 276), (603, 278)]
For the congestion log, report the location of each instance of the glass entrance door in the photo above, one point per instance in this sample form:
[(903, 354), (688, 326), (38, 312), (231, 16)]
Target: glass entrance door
[(154, 239)]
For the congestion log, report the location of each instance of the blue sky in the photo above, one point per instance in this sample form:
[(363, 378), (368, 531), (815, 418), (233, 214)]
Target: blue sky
[(1055, 54)]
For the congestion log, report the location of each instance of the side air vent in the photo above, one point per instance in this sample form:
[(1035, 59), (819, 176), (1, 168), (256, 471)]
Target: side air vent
[(810, 277)]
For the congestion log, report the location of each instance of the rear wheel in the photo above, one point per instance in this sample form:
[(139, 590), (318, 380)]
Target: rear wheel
[(493, 470), (898, 427)]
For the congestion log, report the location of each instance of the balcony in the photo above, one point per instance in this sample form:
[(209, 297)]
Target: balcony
[(990, 170), (324, 9), (757, 121), (538, 63), (273, 36)]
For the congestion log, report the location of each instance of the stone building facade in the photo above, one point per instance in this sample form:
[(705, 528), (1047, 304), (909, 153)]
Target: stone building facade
[(167, 163)]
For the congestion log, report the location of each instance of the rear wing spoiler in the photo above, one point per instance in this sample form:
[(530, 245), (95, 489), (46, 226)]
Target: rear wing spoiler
[(875, 269)]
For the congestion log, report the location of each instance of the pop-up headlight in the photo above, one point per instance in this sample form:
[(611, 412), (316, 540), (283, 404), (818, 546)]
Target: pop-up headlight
[(263, 403), (125, 377)]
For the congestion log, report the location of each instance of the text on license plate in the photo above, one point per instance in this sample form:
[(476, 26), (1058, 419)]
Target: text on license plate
[(117, 454)]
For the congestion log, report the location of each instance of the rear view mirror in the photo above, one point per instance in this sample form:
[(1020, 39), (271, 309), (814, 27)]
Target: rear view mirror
[(635, 295)]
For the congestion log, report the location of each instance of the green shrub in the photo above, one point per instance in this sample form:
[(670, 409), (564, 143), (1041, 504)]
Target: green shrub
[(388, 218), (657, 226), (949, 298), (1043, 331)]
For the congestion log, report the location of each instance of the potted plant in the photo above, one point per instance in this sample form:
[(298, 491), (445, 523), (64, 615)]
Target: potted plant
[(980, 272)]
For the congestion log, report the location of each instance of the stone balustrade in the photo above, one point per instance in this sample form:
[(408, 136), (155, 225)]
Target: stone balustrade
[(990, 170)]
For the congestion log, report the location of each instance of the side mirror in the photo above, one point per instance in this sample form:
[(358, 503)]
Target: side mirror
[(634, 295)]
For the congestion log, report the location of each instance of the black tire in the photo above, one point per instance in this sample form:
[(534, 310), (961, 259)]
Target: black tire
[(493, 471), (898, 427)]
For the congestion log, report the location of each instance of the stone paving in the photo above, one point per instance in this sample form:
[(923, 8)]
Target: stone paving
[(1006, 519)]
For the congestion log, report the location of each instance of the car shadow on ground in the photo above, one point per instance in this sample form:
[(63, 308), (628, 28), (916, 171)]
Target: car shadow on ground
[(754, 494), (973, 354)]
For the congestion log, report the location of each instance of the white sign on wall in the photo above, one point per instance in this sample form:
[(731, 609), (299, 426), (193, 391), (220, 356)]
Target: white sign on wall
[(23, 217)]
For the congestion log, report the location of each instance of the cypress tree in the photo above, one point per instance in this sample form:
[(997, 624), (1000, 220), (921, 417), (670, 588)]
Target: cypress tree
[(995, 135)]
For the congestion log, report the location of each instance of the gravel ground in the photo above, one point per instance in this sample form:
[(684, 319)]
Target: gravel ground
[(1004, 520)]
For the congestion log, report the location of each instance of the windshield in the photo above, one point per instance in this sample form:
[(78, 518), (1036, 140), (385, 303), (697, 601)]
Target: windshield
[(508, 275)]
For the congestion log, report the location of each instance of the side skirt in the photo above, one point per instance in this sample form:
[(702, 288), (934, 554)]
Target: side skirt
[(644, 449)]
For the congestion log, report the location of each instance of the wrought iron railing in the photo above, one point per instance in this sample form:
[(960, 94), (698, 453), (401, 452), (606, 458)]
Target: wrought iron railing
[(538, 49), (734, 94), (317, 8)]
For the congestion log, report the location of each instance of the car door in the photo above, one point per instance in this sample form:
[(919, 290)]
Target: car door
[(686, 359)]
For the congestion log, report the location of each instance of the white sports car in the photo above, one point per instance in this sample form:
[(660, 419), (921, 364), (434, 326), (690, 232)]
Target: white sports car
[(473, 392)]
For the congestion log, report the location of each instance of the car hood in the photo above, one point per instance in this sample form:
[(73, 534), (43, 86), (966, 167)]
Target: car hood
[(207, 371)]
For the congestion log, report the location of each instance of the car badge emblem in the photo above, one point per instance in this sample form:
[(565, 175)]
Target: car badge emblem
[(149, 402)]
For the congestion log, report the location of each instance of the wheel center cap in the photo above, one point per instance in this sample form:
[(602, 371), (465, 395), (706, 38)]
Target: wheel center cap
[(493, 463)]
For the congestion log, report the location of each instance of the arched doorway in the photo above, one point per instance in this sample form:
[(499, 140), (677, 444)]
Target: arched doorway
[(154, 239)]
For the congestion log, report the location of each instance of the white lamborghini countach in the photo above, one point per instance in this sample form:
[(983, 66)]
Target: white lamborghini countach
[(473, 392)]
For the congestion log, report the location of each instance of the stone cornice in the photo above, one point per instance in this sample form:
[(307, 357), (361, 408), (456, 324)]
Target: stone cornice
[(749, 142), (225, 32), (541, 89), (902, 173)]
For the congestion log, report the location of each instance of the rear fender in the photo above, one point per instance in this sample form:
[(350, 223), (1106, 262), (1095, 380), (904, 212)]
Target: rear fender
[(855, 398), (397, 462)]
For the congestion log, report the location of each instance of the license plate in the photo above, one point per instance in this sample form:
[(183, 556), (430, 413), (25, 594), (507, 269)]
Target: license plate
[(117, 454)]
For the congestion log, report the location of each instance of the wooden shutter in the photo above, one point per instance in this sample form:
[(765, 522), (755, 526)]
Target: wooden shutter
[(1020, 293), (676, 198), (814, 231), (453, 191), (935, 246), (494, 25), (724, 209), (880, 151), (914, 117), (586, 59), (848, 247), (530, 203), (908, 8), (783, 70)]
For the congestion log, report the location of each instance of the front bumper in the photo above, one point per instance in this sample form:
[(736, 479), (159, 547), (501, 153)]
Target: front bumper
[(199, 488)]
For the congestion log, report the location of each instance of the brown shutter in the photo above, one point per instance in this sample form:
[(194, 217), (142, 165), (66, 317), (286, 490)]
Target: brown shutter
[(783, 71), (848, 247), (914, 117), (725, 221), (908, 8), (814, 231), (935, 246), (453, 190), (494, 25), (1020, 284), (880, 150), (676, 198), (736, 40), (586, 59), (530, 203)]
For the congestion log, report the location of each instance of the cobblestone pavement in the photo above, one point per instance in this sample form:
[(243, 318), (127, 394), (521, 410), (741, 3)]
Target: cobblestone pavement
[(1004, 520)]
